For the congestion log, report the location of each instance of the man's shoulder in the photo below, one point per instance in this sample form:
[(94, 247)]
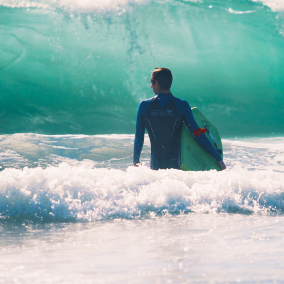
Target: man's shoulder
[(182, 105), (144, 105), (147, 101), (180, 100)]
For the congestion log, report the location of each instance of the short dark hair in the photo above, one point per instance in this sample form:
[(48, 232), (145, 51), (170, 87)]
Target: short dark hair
[(163, 76)]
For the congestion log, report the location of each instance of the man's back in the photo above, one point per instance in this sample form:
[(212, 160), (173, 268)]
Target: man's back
[(163, 116), (164, 124)]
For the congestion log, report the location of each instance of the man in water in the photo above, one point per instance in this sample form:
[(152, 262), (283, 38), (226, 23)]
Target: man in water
[(163, 117)]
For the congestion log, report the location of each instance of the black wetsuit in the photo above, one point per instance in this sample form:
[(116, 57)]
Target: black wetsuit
[(163, 117)]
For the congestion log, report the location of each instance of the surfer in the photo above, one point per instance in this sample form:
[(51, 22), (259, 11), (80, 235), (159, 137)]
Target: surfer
[(163, 117)]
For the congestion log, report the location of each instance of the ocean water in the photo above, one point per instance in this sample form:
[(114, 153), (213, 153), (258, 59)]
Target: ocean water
[(82, 67), (73, 209)]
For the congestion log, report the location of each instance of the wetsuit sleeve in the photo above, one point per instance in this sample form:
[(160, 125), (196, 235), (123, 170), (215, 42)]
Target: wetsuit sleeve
[(139, 135), (202, 140)]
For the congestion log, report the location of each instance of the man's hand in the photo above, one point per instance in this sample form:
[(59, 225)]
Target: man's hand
[(222, 165)]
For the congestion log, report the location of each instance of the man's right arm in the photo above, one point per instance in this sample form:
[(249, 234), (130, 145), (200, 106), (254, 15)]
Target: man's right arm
[(202, 140), (139, 135)]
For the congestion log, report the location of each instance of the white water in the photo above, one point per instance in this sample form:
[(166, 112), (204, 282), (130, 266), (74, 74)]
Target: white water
[(71, 5), (88, 178), (192, 248), (274, 5), (74, 210), (88, 5)]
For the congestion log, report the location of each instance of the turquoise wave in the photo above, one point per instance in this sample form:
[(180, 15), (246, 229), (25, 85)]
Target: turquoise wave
[(71, 68)]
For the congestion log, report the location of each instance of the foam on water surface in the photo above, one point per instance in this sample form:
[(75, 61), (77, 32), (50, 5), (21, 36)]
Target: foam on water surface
[(275, 5), (88, 5), (88, 178)]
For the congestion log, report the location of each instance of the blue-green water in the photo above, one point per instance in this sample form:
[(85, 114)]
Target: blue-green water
[(73, 209), (83, 67)]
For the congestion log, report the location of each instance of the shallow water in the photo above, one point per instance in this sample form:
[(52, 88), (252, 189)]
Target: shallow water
[(191, 248)]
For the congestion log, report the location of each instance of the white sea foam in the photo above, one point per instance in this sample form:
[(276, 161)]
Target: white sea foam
[(70, 5), (90, 5), (83, 192), (62, 184), (230, 10), (274, 5), (91, 178)]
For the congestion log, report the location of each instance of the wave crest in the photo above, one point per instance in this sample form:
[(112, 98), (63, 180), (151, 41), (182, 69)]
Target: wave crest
[(85, 193)]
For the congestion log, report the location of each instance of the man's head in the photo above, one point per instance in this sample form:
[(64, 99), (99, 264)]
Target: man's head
[(161, 80)]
